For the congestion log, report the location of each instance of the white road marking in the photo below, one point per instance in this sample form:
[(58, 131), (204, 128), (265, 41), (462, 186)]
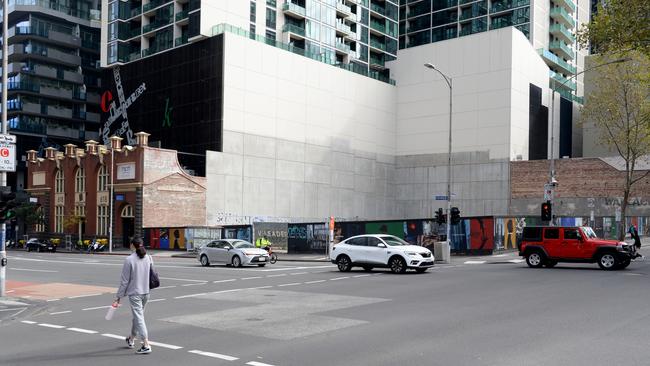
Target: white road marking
[(27, 322), (97, 307), (222, 281), (259, 288), (277, 275), (162, 287), (61, 312), (298, 273), (224, 291), (192, 295), (156, 300), (109, 335), (182, 279), (338, 278), (474, 262), (500, 255), (80, 330), (364, 275), (164, 345), (52, 300), (80, 296), (251, 278), (33, 270), (214, 355), (46, 325), (9, 291), (193, 284), (310, 282), (255, 363), (516, 260)]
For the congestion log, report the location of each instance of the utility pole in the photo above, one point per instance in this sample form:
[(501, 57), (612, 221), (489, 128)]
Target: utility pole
[(3, 174)]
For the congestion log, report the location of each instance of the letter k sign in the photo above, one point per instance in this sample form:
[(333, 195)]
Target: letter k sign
[(167, 119)]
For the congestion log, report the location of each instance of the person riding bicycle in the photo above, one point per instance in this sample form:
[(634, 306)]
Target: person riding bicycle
[(263, 243)]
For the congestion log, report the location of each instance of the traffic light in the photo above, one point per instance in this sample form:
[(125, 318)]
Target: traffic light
[(547, 211), (455, 215), (7, 203), (440, 217)]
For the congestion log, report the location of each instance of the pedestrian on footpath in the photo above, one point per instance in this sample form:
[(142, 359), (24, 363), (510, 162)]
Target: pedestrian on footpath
[(135, 285)]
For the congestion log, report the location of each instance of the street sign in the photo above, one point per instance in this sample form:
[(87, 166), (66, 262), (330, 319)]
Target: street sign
[(7, 157), (440, 198), (7, 139), (548, 192)]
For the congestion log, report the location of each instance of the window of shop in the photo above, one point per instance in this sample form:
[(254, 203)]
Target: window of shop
[(58, 219), (59, 182), (102, 220)]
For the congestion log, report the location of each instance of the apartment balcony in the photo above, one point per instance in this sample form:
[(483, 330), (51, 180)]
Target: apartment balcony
[(155, 25), (17, 34), (377, 28), (93, 98), (377, 62), (180, 40), (560, 82), (343, 29), (24, 86), (62, 131), (26, 125), (155, 49), (556, 62), (343, 10), (562, 49), (560, 31), (378, 9), (293, 30), (181, 15), (561, 15), (152, 5), (40, 6), (294, 10), (342, 47), (136, 11), (58, 93), (377, 45), (568, 5)]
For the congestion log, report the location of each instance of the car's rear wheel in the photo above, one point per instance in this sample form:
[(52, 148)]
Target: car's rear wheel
[(368, 268), (535, 259), (397, 265), (204, 260), (421, 270), (236, 261), (343, 263), (607, 261), (550, 264)]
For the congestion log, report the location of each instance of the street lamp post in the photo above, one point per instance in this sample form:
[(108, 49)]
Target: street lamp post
[(448, 80), (110, 204), (552, 181), (3, 175)]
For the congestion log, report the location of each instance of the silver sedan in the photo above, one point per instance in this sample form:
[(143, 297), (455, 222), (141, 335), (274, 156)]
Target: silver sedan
[(232, 251)]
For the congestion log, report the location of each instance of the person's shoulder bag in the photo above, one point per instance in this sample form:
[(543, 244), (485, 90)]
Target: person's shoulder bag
[(154, 280)]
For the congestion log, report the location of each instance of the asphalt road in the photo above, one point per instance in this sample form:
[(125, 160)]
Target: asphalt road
[(476, 311)]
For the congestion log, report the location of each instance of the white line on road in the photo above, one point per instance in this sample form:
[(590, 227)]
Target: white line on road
[(164, 345), (192, 295), (516, 260), (181, 279), (214, 355), (27, 322), (162, 287), (81, 330), (61, 312), (222, 281), (277, 275), (474, 262), (224, 291), (52, 300), (500, 255), (80, 296), (46, 325), (33, 270), (255, 363), (251, 278), (156, 300), (365, 275), (310, 282), (115, 336), (97, 307), (194, 284), (298, 273), (290, 284), (259, 288), (338, 278)]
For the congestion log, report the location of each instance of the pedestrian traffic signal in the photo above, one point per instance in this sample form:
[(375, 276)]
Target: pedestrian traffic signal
[(440, 217), (455, 215), (7, 204), (547, 211)]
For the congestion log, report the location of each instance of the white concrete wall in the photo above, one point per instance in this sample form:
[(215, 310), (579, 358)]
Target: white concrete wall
[(233, 12), (302, 140), (490, 71)]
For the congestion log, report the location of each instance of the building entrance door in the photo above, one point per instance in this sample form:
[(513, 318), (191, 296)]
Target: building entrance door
[(128, 225)]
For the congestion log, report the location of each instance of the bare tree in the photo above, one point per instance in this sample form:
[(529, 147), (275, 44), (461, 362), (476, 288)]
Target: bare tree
[(619, 107)]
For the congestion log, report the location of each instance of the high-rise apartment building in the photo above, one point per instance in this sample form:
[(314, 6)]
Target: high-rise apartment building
[(53, 74)]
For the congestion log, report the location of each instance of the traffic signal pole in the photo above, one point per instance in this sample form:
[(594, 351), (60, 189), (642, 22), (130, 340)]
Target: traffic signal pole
[(3, 175)]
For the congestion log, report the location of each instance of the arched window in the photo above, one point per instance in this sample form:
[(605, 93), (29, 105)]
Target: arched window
[(102, 179), (127, 211), (59, 182), (80, 181), (103, 208)]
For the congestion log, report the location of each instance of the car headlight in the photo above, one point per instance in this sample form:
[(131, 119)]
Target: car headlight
[(412, 254)]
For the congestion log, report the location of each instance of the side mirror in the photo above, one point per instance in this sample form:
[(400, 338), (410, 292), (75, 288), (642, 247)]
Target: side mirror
[(381, 245)]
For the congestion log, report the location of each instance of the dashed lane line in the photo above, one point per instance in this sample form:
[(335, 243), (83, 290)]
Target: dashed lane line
[(97, 307), (61, 312), (276, 275), (475, 262), (164, 287), (317, 281), (33, 270), (213, 355), (164, 345), (80, 296), (193, 284), (338, 278), (191, 295), (47, 325), (81, 330), (182, 279), (255, 363), (156, 300), (228, 280), (114, 336), (298, 273), (50, 300), (251, 278), (27, 322), (290, 284), (363, 275)]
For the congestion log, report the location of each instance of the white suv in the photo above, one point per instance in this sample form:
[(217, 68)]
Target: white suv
[(381, 250)]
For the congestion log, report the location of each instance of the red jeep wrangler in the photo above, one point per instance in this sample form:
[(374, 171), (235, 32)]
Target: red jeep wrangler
[(548, 245)]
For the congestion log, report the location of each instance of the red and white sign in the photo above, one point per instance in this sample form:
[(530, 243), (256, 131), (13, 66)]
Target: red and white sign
[(7, 153)]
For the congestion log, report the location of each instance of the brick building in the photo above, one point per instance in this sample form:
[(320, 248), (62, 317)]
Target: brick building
[(151, 191)]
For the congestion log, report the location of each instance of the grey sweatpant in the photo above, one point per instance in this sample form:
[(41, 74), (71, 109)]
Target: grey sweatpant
[(138, 326)]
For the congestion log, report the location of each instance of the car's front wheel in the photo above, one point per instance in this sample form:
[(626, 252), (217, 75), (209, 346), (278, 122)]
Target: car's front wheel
[(607, 261), (236, 261), (204, 260), (535, 259), (397, 264), (343, 263)]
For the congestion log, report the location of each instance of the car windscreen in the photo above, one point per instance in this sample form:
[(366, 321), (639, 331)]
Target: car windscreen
[(589, 232), (242, 245), (393, 241)]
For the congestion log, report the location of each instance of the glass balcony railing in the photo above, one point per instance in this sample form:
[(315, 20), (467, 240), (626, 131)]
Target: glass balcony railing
[(155, 25), (180, 40), (560, 46), (343, 27), (561, 15), (136, 11), (567, 4), (377, 8), (342, 47), (559, 29), (556, 61), (58, 7), (498, 6), (155, 49), (294, 8), (291, 28), (343, 8), (377, 60), (24, 86), (377, 44), (181, 15), (379, 27), (559, 81), (226, 28)]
